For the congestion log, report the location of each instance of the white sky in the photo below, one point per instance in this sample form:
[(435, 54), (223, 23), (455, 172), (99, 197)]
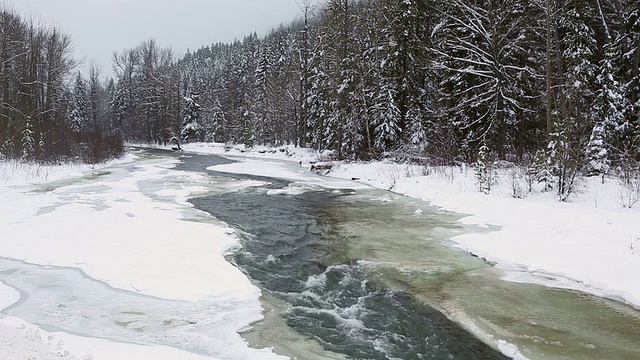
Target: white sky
[(100, 27)]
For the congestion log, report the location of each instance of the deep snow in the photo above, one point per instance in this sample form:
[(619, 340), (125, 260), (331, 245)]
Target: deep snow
[(590, 244)]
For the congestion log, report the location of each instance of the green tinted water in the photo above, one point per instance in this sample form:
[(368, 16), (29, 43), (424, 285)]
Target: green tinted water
[(408, 250)]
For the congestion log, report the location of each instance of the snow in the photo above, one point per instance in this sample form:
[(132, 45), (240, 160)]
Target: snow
[(20, 340), (143, 239), (132, 228)]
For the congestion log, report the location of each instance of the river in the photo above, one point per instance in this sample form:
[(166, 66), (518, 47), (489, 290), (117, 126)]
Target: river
[(347, 273), (371, 275)]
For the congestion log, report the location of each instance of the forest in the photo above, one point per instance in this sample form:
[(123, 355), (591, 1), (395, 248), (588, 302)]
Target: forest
[(553, 85), (37, 106)]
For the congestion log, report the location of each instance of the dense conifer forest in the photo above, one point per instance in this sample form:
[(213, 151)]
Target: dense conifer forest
[(553, 85)]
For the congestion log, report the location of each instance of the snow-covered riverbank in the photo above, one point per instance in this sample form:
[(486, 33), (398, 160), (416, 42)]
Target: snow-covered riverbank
[(126, 224), (590, 243)]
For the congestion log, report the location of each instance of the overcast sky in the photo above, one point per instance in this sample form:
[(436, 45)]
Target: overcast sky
[(100, 27)]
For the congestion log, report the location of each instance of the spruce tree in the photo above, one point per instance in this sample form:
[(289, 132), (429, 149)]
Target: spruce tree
[(28, 143), (79, 118), (191, 129)]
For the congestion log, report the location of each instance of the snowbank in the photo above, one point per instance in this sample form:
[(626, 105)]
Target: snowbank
[(129, 226)]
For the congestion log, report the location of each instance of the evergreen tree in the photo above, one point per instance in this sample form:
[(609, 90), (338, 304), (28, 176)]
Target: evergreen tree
[(191, 129), (630, 77), (579, 48), (28, 143), (597, 154), (609, 106), (483, 169), (385, 121), (79, 117), (215, 125)]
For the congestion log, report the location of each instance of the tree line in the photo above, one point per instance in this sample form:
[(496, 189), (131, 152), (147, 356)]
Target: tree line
[(423, 79), (554, 84), (36, 103)]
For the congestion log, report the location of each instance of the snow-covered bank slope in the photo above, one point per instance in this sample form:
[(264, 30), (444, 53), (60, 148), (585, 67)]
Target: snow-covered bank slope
[(591, 243)]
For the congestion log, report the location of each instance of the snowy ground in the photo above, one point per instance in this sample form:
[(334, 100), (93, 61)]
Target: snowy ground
[(591, 243), (125, 228)]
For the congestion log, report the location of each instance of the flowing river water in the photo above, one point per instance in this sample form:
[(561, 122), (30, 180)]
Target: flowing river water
[(371, 275), (351, 273)]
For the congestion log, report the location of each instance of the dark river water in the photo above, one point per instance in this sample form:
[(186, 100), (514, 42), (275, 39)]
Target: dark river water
[(291, 250)]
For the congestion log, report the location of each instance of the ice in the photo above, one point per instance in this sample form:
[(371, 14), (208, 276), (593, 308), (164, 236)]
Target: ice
[(295, 189), (65, 299), (154, 267), (8, 296)]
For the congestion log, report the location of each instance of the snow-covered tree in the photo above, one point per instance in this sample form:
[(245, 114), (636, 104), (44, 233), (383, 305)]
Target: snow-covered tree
[(248, 125), (579, 48), (79, 118), (563, 163), (483, 169), (597, 154), (484, 56), (191, 129), (610, 104), (386, 116), (28, 143), (214, 126)]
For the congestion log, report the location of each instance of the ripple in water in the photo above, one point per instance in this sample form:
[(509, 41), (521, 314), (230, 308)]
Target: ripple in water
[(291, 250)]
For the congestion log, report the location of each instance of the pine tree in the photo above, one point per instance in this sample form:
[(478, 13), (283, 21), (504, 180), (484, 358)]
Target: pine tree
[(539, 171), (403, 50), (385, 120), (609, 106), (79, 117), (248, 124), (483, 169), (264, 93), (190, 129), (563, 162), (597, 154), (215, 125), (575, 48), (28, 143), (630, 69), (579, 48)]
